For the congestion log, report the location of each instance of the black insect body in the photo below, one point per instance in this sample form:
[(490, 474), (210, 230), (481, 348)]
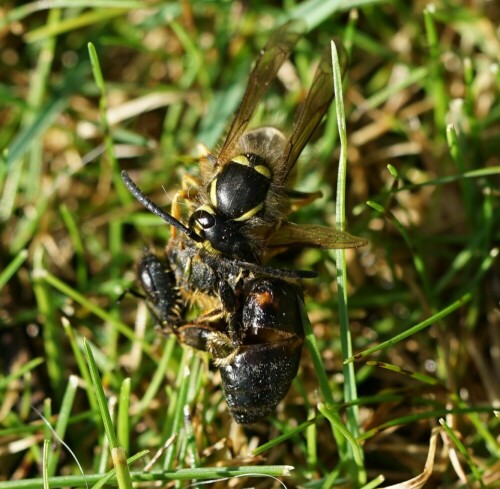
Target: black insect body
[(237, 217), (240, 189), (159, 284), (259, 374), (259, 356)]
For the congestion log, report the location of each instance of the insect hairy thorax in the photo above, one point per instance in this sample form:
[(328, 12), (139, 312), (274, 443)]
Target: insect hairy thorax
[(239, 190), (244, 194)]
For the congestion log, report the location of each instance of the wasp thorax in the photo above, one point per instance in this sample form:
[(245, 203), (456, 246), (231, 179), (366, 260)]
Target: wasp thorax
[(239, 190)]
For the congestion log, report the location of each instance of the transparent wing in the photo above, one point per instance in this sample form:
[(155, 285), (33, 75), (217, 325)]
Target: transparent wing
[(312, 236), (273, 55), (316, 105)]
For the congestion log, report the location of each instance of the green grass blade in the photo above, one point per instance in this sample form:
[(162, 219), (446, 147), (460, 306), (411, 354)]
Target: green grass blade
[(350, 391), (12, 267), (117, 454), (414, 329)]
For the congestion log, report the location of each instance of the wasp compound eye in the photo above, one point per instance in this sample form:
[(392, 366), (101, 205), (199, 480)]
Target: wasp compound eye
[(220, 235), (204, 219)]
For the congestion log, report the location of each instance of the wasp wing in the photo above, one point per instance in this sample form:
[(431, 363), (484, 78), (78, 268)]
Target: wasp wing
[(312, 236), (314, 108), (274, 54)]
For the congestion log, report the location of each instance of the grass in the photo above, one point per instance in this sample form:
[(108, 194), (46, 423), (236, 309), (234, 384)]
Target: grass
[(403, 392)]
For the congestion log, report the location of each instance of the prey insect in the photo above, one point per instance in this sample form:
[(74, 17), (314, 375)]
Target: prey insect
[(237, 217)]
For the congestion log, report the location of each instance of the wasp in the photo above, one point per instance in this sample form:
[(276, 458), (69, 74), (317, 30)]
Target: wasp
[(237, 218)]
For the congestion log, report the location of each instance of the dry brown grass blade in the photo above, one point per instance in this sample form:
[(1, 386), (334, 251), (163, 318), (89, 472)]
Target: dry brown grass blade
[(421, 479)]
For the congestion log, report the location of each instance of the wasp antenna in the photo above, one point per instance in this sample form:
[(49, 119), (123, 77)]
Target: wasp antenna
[(152, 207)]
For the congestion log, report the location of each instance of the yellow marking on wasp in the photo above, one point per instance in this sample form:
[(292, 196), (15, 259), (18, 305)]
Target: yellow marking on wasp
[(263, 170), (207, 246), (250, 213), (213, 192), (241, 159), (206, 208)]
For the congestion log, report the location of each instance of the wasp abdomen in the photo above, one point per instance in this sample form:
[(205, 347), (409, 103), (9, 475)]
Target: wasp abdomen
[(272, 332), (259, 378)]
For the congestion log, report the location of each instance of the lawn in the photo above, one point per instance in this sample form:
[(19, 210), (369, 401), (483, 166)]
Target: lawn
[(398, 384)]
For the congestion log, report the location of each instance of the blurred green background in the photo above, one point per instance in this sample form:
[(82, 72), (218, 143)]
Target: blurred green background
[(422, 108)]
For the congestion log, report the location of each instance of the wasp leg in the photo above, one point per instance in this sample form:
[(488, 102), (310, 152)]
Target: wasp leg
[(175, 210), (205, 337), (188, 192), (298, 199), (223, 339), (232, 302), (133, 292), (205, 333), (227, 296), (190, 183), (230, 305), (198, 336), (222, 348)]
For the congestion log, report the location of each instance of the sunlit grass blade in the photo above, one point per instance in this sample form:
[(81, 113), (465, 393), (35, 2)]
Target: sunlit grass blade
[(75, 234), (436, 85), (12, 267), (418, 259), (62, 422), (350, 391), (463, 451), (117, 454), (80, 361), (27, 367), (20, 12), (43, 119), (109, 168), (98, 311), (414, 329), (84, 19), (207, 473), (430, 414), (123, 418)]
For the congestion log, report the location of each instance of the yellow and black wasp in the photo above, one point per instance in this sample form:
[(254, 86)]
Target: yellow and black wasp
[(237, 216)]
